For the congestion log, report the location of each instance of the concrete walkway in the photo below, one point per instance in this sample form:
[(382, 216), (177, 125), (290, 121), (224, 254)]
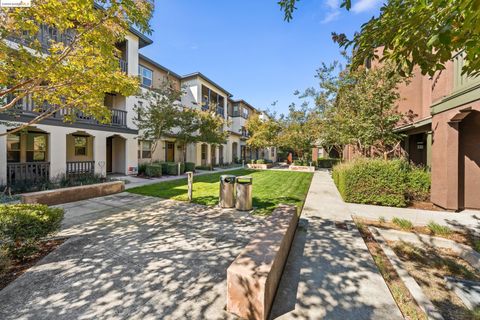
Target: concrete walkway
[(330, 273), (467, 219), (133, 257)]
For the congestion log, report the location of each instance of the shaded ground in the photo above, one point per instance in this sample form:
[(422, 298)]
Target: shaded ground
[(147, 258), (270, 188), (330, 273)]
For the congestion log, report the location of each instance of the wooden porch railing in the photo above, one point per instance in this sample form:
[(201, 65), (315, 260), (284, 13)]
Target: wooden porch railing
[(75, 168), (27, 172)]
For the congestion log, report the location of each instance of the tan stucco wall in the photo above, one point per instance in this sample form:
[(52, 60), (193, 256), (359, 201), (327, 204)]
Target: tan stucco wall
[(160, 75), (70, 142)]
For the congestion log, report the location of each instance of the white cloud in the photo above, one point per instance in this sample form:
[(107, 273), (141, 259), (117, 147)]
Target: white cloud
[(364, 5), (333, 10)]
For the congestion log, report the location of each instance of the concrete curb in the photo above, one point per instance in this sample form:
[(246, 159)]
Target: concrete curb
[(412, 286), (465, 252)]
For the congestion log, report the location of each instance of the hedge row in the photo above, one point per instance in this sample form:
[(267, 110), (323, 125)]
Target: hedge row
[(157, 169), (382, 182), (23, 225)]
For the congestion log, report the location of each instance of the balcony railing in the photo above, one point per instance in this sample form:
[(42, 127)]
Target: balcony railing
[(123, 65), (27, 172), (27, 106), (45, 36), (76, 168)]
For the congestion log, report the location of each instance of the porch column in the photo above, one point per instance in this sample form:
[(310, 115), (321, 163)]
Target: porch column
[(3, 156), (100, 153), (452, 165), (57, 153), (429, 148)]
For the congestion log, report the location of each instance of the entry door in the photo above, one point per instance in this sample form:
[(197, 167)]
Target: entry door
[(469, 162), (109, 155), (170, 152), (204, 154)]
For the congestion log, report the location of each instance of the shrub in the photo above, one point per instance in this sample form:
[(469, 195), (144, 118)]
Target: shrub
[(172, 168), (22, 225), (404, 224), (300, 162), (153, 170), (209, 168), (261, 161), (381, 219), (4, 260), (65, 181), (418, 184), (372, 181), (436, 228), (190, 166), (327, 163), (142, 168)]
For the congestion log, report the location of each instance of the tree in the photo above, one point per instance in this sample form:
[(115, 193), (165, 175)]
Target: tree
[(263, 131), (186, 128), (414, 33), (300, 130), (365, 113), (157, 113), (64, 56)]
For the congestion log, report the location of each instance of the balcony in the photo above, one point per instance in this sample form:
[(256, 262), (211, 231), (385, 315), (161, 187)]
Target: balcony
[(461, 81), (27, 107)]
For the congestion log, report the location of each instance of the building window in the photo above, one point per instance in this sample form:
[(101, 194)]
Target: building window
[(13, 147), (146, 149), (81, 144), (146, 76), (36, 147), (245, 113), (272, 152)]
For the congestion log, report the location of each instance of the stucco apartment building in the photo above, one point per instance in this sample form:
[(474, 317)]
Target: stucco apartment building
[(445, 134), (53, 148)]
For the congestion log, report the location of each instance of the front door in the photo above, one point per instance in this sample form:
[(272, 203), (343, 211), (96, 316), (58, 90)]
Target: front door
[(170, 152), (109, 155)]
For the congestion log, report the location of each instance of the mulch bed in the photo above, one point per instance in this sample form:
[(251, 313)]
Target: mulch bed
[(19, 267), (425, 205)]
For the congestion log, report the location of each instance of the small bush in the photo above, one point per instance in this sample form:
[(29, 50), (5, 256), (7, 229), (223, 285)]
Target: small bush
[(190, 166), (327, 163), (172, 168), (418, 183), (438, 229), (261, 161), (300, 162), (22, 225), (404, 224), (153, 170), (381, 219), (142, 167), (208, 168), (65, 181), (371, 181)]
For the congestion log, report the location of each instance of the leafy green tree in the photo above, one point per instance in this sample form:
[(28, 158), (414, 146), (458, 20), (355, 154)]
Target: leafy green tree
[(365, 112), (187, 125), (413, 33), (263, 131), (157, 113), (300, 130), (78, 64)]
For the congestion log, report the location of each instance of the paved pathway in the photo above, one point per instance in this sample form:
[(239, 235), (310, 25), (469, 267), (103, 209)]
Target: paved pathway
[(330, 273), (133, 257), (467, 219)]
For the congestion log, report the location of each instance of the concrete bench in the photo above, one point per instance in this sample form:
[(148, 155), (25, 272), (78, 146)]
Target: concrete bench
[(65, 195), (253, 278)]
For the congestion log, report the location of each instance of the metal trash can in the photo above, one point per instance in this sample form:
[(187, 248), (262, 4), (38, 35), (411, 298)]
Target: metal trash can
[(244, 193), (227, 191)]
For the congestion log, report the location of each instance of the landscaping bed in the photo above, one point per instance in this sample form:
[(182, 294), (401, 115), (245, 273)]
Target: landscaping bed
[(270, 188), (425, 262)]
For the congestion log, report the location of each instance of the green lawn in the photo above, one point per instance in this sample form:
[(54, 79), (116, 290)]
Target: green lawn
[(270, 188)]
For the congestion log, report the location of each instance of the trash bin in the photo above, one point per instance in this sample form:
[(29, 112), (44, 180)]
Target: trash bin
[(244, 193), (227, 191)]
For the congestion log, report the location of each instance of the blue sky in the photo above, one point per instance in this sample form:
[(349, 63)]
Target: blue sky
[(246, 46)]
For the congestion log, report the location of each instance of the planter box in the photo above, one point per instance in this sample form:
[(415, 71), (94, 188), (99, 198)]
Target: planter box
[(262, 166), (253, 278), (65, 195), (301, 168)]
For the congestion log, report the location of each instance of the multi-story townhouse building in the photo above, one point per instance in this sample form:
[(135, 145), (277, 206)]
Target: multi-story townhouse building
[(53, 147), (444, 134), (239, 112)]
